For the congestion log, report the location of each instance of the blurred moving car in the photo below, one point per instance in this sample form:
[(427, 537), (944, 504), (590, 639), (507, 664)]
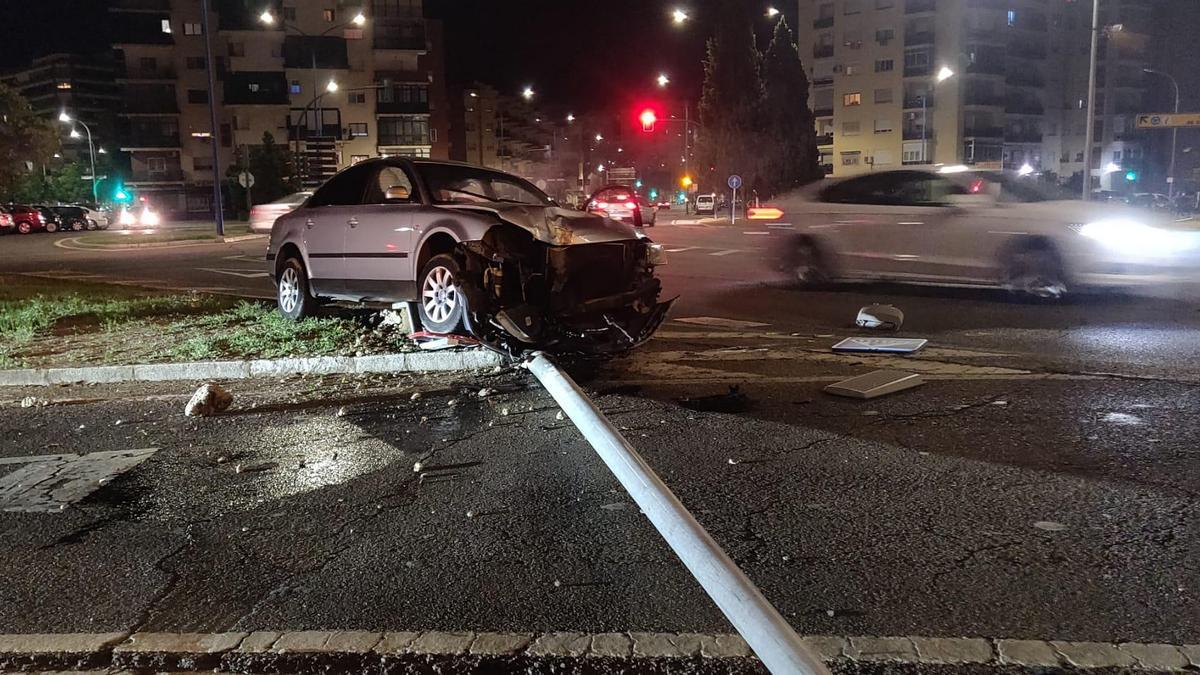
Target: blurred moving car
[(623, 203), (27, 219), (138, 216), (975, 228), (477, 250), (706, 204), (262, 216), (1149, 200)]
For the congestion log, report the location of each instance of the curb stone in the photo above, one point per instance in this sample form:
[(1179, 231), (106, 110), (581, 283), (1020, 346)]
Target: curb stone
[(466, 359), (298, 651)]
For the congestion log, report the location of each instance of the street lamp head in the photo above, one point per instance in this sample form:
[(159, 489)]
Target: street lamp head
[(75, 134), (944, 74), (599, 137), (331, 87), (570, 118), (527, 93), (101, 151), (266, 18), (359, 19), (678, 16), (57, 155), (772, 12), (663, 80), (64, 117)]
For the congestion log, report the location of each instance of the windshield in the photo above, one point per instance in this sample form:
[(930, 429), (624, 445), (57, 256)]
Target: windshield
[(454, 184), (1010, 187)]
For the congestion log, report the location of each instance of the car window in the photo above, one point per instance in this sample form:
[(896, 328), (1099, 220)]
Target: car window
[(387, 178), (344, 189), (454, 184)]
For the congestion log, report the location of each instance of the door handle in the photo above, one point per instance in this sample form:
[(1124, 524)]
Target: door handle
[(309, 223), (353, 222)]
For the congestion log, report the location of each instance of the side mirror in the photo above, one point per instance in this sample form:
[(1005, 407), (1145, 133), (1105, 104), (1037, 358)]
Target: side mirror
[(971, 201), (396, 192)]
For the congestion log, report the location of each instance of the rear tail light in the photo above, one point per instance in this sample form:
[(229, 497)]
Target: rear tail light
[(764, 213)]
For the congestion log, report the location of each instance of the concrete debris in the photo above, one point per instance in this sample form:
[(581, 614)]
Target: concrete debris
[(31, 401), (255, 467), (883, 317), (486, 392), (209, 399), (416, 396), (504, 411), (222, 459), (875, 383), (1049, 526), (342, 411), (560, 416), (417, 467)]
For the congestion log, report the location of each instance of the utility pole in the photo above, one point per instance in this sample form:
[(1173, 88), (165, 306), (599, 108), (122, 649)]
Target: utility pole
[(1090, 133), (218, 208)]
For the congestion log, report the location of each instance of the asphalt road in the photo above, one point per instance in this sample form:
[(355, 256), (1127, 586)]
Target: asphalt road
[(1042, 484)]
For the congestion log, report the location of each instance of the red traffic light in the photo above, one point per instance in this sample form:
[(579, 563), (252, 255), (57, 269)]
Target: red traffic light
[(648, 118)]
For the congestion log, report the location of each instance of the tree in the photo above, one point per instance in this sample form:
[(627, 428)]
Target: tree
[(271, 166), (731, 101), (790, 158), (27, 141)]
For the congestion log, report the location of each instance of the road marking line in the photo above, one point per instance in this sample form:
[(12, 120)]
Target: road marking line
[(729, 251), (756, 232)]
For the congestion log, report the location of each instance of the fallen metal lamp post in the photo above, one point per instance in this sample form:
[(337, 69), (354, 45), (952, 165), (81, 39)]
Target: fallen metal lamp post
[(767, 633)]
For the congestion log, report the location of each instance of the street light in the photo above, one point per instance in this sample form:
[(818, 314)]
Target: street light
[(570, 118), (331, 87), (527, 93), (772, 12), (67, 119), (359, 20), (266, 17), (1174, 131), (599, 137), (943, 74), (663, 80), (678, 16), (101, 151)]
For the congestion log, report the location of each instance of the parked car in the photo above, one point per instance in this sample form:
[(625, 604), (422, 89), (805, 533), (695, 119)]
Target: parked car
[(27, 219), (663, 204), (96, 219), (623, 203), (6, 221), (975, 228), (262, 216), (706, 204), (476, 249), (1149, 200), (67, 218)]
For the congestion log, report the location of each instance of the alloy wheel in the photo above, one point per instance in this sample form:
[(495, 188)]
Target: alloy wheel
[(438, 294)]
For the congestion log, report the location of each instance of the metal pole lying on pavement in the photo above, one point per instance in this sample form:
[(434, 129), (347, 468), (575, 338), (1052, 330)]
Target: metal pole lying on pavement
[(767, 633)]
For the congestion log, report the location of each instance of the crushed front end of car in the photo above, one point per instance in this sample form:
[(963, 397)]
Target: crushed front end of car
[(578, 290)]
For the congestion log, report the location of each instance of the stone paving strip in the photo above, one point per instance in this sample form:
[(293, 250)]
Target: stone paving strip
[(411, 362), (363, 651)]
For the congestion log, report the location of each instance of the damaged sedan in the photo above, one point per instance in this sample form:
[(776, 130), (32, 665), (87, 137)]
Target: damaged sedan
[(476, 250)]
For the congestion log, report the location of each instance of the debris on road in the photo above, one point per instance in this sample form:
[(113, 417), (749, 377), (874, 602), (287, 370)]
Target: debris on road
[(875, 383), (1049, 526), (882, 317), (560, 416), (733, 401), (209, 399), (880, 345), (417, 467), (435, 342), (486, 392), (416, 396)]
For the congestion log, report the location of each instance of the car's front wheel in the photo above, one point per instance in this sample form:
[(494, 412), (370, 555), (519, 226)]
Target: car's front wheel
[(441, 305), (77, 226), (51, 226), (292, 293), (24, 227), (92, 225), (806, 265)]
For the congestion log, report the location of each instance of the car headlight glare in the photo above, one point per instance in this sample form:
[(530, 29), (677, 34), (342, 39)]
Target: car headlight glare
[(1131, 236)]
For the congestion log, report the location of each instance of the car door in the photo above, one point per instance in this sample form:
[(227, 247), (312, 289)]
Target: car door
[(326, 219), (854, 220), (931, 238), (379, 238)]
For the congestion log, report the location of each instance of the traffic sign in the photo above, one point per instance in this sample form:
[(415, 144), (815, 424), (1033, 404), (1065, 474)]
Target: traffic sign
[(1167, 120), (735, 181), (246, 179)]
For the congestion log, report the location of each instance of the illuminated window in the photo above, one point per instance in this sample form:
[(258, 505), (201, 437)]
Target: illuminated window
[(852, 99), (166, 26), (328, 15), (64, 85)]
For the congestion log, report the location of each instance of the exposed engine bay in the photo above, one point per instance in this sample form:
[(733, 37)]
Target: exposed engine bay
[(596, 299)]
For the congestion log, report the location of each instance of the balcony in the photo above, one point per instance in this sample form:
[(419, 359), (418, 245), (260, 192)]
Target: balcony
[(1024, 78), (917, 70), (326, 132), (403, 107), (918, 102), (134, 140), (1022, 136), (822, 112), (983, 98), (983, 132), (135, 73), (918, 6), (986, 68), (1024, 107), (924, 37), (399, 34), (822, 81), (822, 51), (826, 139), (916, 134), (145, 177), (823, 22)]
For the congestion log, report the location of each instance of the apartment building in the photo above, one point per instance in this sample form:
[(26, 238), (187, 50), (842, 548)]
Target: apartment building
[(81, 85), (334, 80), (987, 83), (474, 113)]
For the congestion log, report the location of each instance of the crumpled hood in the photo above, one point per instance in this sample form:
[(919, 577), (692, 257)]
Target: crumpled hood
[(558, 226)]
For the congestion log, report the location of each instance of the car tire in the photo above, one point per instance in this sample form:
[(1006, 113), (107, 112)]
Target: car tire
[(52, 227), (77, 226), (1035, 272), (24, 227), (92, 225), (293, 296), (440, 304), (806, 264)]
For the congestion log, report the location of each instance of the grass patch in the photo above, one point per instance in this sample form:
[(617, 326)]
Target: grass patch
[(160, 235), (49, 322)]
